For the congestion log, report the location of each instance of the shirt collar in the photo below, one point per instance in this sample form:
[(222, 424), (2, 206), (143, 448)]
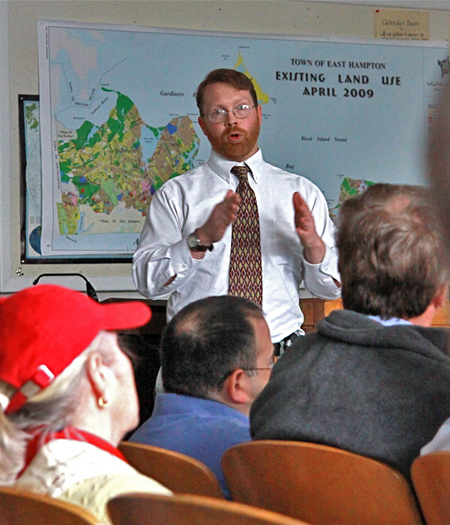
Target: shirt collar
[(171, 404), (40, 436), (391, 321), (222, 166)]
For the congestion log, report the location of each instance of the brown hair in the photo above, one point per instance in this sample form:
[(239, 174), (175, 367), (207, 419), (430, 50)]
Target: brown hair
[(231, 77), (391, 251)]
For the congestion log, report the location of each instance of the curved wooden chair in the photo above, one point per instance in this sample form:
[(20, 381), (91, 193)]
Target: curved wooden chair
[(318, 484), (431, 478), (155, 509), (18, 507), (178, 472)]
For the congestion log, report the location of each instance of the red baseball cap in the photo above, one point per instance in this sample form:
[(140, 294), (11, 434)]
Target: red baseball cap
[(44, 328)]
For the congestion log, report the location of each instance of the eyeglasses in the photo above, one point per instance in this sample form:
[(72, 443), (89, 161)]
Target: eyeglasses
[(220, 115), (271, 365)]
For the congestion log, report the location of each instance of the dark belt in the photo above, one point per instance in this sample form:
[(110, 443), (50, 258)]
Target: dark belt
[(286, 342)]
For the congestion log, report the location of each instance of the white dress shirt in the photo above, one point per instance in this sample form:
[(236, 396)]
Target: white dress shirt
[(184, 204)]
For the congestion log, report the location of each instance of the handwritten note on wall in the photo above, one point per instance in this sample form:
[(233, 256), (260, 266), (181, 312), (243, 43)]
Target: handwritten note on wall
[(401, 24)]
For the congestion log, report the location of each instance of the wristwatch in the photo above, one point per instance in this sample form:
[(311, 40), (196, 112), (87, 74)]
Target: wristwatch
[(196, 245)]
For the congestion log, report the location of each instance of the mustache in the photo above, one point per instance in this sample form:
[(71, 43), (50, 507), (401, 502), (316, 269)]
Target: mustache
[(234, 129)]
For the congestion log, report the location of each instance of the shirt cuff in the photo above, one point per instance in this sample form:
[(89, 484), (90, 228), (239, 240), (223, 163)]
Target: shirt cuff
[(182, 262), (328, 266)]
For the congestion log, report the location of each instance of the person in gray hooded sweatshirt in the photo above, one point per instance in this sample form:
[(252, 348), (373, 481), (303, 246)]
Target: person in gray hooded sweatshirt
[(374, 379)]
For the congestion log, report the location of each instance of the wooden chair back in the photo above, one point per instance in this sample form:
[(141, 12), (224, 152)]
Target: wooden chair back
[(153, 509), (318, 484), (18, 507), (178, 472), (431, 478)]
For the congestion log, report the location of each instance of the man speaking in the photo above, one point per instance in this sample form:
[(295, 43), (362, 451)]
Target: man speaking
[(237, 225)]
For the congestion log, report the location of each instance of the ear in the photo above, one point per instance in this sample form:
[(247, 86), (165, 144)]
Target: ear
[(99, 374), (441, 296), (259, 110), (236, 387), (201, 122)]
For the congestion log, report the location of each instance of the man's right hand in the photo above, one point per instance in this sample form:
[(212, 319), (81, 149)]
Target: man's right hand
[(221, 217), (214, 228)]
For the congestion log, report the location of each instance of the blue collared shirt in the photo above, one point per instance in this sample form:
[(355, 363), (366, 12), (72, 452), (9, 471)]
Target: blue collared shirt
[(201, 428)]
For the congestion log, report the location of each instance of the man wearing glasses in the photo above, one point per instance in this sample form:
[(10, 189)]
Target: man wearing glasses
[(188, 238), (216, 357)]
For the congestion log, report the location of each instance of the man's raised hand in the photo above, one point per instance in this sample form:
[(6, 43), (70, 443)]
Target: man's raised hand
[(313, 246)]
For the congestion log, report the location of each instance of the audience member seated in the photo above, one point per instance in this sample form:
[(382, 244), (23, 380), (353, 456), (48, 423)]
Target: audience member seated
[(374, 379), (67, 397), (216, 357)]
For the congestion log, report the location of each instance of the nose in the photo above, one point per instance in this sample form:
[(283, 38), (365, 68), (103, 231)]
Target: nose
[(231, 118)]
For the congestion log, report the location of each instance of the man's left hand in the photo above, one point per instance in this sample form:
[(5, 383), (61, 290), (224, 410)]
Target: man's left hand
[(313, 246)]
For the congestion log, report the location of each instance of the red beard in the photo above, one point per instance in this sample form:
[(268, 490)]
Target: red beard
[(241, 149)]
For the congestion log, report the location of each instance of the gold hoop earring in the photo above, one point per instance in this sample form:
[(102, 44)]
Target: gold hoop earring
[(103, 403)]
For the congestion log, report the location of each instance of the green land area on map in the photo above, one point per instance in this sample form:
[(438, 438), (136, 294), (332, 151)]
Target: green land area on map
[(106, 169), (349, 188)]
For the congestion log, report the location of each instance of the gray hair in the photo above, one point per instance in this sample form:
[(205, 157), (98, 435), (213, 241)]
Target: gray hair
[(53, 407)]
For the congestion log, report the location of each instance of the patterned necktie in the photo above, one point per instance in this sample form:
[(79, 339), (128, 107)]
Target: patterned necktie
[(245, 258)]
